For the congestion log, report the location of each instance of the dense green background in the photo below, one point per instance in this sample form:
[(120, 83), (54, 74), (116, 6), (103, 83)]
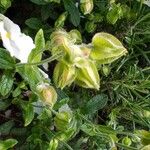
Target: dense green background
[(116, 116)]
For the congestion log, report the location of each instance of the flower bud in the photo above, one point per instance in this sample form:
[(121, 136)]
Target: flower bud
[(106, 70), (63, 75), (53, 144), (61, 41), (147, 147), (47, 93), (87, 74), (61, 19), (106, 48), (76, 35), (126, 141), (86, 6), (63, 118)]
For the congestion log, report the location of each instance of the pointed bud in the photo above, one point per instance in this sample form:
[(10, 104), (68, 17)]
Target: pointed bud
[(61, 41), (53, 144), (47, 93), (63, 118), (106, 70), (86, 6), (87, 74), (64, 75), (106, 48), (76, 35), (61, 19), (59, 38), (126, 141)]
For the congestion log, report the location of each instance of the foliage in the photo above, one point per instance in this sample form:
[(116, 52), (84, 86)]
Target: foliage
[(46, 103)]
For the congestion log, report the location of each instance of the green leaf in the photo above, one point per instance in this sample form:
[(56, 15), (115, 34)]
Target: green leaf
[(6, 83), (95, 130), (46, 12), (38, 2), (6, 61), (61, 103), (43, 2), (34, 23), (45, 114), (28, 113), (73, 11), (36, 54), (65, 135), (90, 26), (16, 131), (6, 127), (4, 104), (96, 103), (9, 143), (31, 74)]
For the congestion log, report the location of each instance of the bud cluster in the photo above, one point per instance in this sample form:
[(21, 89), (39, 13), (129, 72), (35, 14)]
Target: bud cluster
[(79, 63)]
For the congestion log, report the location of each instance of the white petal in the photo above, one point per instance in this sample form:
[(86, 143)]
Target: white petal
[(17, 43), (22, 47), (6, 41), (9, 26)]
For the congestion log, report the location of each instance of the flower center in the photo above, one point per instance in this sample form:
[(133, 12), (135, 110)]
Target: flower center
[(8, 35)]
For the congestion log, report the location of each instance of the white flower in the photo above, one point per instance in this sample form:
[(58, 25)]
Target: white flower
[(17, 43)]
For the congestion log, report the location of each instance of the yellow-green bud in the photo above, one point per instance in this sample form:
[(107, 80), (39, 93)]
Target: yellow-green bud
[(59, 38), (47, 93), (63, 118), (147, 147), (87, 74), (126, 141), (61, 41), (106, 48), (86, 6), (145, 114), (61, 19), (106, 70), (76, 36), (53, 144), (63, 75)]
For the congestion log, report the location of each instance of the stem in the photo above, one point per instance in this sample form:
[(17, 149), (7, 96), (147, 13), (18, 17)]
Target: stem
[(125, 147), (52, 58), (63, 142), (117, 132)]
